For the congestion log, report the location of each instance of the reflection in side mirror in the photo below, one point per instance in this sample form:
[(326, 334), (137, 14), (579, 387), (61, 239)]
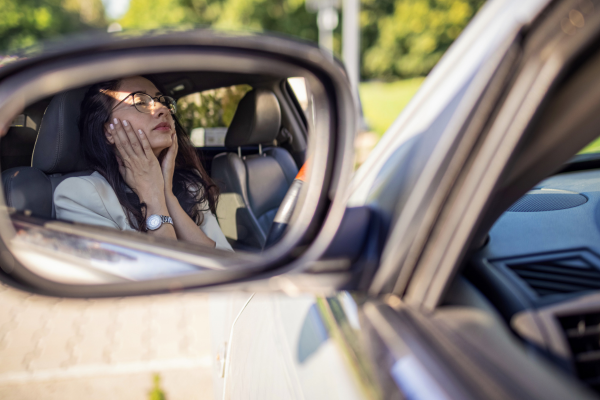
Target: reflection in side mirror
[(184, 169)]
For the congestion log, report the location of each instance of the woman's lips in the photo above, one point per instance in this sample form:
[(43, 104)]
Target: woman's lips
[(163, 127)]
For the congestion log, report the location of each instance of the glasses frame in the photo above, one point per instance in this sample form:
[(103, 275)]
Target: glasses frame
[(154, 100)]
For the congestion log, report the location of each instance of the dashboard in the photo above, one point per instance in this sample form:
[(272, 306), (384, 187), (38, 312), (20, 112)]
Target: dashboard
[(540, 268)]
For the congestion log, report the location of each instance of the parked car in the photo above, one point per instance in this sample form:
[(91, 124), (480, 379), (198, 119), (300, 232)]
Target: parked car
[(461, 261)]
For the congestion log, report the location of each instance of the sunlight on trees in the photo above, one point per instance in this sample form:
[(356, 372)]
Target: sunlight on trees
[(399, 38), (413, 38), (27, 22)]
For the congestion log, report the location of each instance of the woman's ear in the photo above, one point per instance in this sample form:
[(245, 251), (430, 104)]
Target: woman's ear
[(108, 135)]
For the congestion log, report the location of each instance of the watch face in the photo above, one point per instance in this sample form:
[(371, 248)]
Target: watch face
[(153, 222)]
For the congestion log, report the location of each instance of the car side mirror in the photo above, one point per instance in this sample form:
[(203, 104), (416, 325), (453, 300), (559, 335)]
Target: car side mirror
[(43, 251)]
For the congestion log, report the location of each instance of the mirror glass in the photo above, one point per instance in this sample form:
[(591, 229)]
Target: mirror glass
[(122, 170)]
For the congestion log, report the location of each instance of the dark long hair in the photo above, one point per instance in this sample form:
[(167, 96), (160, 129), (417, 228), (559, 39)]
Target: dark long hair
[(192, 186)]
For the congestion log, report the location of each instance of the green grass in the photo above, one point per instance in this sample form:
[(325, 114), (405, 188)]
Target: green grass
[(593, 147), (383, 101)]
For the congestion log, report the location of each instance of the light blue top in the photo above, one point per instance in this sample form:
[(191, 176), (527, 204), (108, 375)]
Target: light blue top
[(91, 200)]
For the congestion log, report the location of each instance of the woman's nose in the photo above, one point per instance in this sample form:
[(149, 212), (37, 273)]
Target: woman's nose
[(159, 109)]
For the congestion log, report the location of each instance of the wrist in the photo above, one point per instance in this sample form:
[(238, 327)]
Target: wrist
[(168, 187), (155, 204), (169, 196)]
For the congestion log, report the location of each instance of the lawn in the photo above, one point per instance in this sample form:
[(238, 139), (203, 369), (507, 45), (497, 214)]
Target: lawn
[(383, 101)]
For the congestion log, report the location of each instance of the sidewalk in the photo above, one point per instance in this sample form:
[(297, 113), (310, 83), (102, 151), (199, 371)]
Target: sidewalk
[(104, 349)]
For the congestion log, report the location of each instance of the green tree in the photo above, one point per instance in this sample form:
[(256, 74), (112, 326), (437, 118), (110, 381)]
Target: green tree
[(143, 14), (284, 16), (26, 22), (412, 39), (211, 108)]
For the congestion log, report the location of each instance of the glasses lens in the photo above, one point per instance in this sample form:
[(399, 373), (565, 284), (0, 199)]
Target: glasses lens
[(169, 102), (142, 102)]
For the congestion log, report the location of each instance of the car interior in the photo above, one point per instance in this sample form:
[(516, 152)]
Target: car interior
[(264, 148), (535, 267), (540, 270)]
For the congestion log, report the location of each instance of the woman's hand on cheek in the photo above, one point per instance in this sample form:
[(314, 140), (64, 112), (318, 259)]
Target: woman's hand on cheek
[(168, 164), (137, 163)]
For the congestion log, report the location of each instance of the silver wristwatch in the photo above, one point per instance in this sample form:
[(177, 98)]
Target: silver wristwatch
[(155, 221)]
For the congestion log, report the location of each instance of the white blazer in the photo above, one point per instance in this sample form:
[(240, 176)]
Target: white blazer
[(91, 200)]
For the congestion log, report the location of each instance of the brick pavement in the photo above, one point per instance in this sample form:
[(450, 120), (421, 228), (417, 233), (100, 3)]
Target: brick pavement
[(104, 349)]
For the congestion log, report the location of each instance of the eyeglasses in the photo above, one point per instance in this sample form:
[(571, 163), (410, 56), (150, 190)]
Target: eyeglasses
[(145, 103)]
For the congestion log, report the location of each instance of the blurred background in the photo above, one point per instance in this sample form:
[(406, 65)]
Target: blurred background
[(388, 46)]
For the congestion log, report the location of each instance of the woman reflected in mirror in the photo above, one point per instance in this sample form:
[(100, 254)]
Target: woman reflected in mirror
[(147, 175)]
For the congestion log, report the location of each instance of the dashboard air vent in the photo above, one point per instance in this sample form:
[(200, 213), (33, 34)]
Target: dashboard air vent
[(558, 275), (583, 335)]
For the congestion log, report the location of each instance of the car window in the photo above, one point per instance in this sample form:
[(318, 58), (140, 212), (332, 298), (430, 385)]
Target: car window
[(593, 147), (22, 121), (298, 85), (206, 115)]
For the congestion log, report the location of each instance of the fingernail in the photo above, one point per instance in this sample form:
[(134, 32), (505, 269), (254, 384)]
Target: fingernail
[(112, 126), (116, 121), (124, 122)]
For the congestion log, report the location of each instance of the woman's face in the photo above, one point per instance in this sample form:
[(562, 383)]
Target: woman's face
[(158, 125)]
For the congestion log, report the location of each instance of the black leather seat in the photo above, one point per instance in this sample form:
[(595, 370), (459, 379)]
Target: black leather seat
[(16, 147), (56, 157), (253, 186)]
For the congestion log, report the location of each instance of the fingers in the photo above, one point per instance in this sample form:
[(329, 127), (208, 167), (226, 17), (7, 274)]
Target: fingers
[(121, 143), (175, 143), (125, 140), (171, 153), (122, 168), (133, 138), (145, 143)]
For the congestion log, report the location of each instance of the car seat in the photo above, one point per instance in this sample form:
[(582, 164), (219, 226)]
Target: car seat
[(56, 157), (17, 147), (253, 186)]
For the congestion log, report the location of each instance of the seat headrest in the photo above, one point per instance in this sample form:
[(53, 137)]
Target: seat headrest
[(57, 149), (256, 121)]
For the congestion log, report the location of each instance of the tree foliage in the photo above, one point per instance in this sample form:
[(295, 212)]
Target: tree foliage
[(412, 38), (283, 16), (399, 38), (26, 22), (211, 108)]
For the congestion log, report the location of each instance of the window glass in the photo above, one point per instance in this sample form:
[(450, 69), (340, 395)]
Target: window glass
[(23, 120), (206, 115), (298, 85), (303, 95)]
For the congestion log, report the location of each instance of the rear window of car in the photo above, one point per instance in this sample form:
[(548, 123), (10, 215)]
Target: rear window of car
[(207, 115), (24, 121)]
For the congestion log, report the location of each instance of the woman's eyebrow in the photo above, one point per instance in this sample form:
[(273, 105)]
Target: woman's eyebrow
[(159, 93)]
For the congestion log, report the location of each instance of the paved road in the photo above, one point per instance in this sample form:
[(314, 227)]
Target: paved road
[(104, 349)]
